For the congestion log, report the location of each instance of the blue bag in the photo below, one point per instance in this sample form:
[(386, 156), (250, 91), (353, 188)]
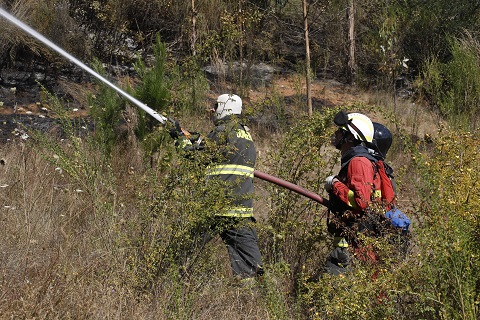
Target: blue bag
[(398, 219)]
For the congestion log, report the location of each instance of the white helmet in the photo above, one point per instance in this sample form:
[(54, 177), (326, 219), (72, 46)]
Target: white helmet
[(228, 104), (356, 123)]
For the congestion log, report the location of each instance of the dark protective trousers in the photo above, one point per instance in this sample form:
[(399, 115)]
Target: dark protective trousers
[(242, 243)]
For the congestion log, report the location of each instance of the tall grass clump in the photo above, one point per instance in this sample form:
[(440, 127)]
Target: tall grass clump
[(65, 257)]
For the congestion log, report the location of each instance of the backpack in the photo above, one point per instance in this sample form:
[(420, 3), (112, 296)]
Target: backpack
[(396, 217), (386, 183), (399, 234)]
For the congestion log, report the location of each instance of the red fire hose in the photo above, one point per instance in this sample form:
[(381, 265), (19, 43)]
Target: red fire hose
[(291, 186)]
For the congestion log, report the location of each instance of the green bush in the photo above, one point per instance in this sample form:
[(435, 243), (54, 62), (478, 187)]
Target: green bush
[(153, 89), (295, 232), (106, 108), (448, 257), (454, 87), (167, 88)]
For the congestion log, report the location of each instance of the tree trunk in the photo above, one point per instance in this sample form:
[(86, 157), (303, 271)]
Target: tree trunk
[(194, 29), (307, 59), (351, 69), (240, 27)]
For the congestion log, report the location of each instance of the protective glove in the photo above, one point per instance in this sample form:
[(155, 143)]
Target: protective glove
[(176, 132), (329, 182)]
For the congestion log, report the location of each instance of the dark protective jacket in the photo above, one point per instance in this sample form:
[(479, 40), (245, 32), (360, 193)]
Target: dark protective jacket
[(237, 165)]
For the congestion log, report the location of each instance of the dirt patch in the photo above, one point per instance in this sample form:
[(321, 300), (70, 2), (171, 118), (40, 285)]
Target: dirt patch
[(327, 93), (27, 107)]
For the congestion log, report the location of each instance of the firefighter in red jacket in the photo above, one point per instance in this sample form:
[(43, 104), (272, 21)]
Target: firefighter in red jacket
[(234, 168), (352, 190)]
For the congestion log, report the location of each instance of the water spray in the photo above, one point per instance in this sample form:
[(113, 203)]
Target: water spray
[(144, 107)]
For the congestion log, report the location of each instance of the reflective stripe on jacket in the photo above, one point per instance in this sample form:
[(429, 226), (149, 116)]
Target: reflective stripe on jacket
[(238, 150), (231, 169)]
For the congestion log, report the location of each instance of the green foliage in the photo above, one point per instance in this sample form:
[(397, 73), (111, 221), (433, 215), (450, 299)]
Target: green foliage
[(462, 97), (276, 291), (177, 213), (355, 295), (153, 89), (167, 88), (432, 80), (295, 232), (106, 108), (428, 26), (455, 86), (238, 32), (448, 256), (188, 89)]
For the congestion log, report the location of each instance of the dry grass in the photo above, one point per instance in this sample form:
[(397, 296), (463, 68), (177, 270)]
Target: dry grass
[(415, 119), (64, 249), (51, 19), (62, 258)]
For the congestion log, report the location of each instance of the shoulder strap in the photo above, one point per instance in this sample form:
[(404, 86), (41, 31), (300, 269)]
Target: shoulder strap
[(388, 193)]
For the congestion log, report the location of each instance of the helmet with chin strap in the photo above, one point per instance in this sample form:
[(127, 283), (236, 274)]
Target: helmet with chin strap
[(382, 138), (227, 104), (359, 125)]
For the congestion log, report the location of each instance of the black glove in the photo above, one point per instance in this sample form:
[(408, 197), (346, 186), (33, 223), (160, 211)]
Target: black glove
[(176, 132)]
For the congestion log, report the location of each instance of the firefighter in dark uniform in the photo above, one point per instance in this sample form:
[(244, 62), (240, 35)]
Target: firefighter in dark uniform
[(235, 168)]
